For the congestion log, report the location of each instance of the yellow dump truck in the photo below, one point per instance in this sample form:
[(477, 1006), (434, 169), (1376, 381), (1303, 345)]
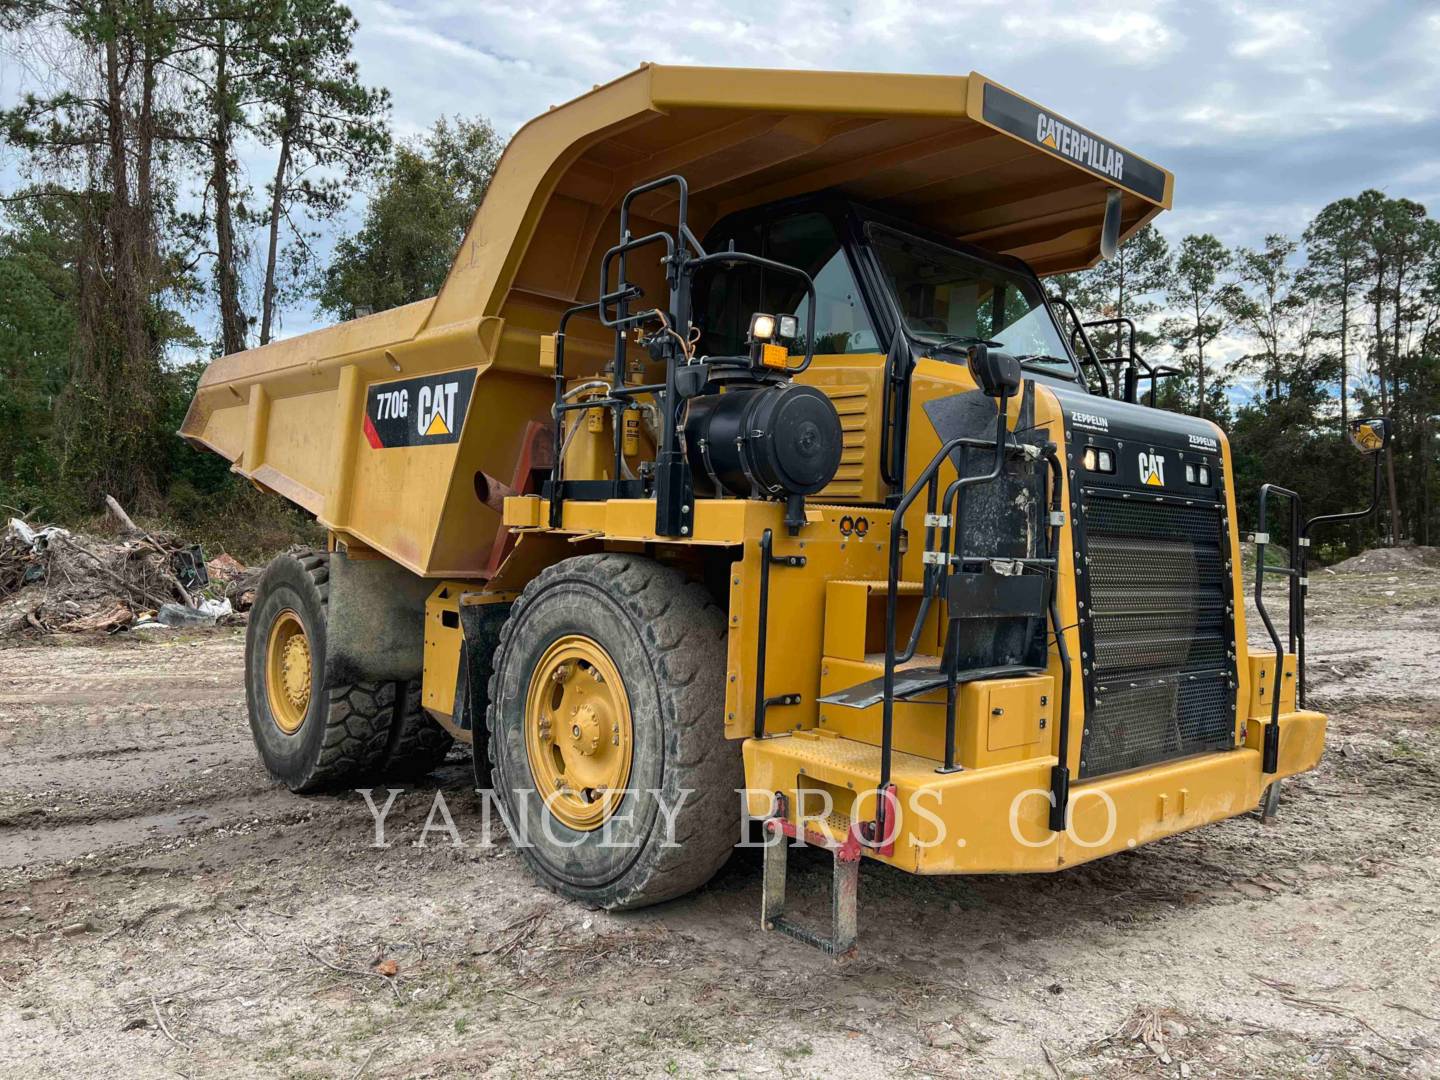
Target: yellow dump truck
[(743, 470)]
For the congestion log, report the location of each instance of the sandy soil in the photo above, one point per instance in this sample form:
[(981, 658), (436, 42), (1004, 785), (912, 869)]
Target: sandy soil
[(165, 911)]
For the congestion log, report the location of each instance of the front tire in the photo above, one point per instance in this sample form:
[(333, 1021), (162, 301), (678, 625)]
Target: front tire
[(310, 736), (608, 693)]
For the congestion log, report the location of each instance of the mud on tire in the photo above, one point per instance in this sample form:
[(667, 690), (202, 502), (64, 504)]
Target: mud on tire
[(345, 732), (666, 638)]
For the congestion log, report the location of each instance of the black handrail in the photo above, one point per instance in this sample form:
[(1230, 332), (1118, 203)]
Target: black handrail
[(926, 480), (1060, 773), (1270, 758), (727, 257), (1079, 328)]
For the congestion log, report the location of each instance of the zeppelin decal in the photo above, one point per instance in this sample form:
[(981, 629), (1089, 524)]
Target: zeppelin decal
[(1020, 118), (418, 412)]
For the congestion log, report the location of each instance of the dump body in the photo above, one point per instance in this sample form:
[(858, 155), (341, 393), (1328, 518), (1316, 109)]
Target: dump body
[(960, 156)]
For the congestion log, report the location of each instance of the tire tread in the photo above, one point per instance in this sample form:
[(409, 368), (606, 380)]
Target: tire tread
[(683, 628)]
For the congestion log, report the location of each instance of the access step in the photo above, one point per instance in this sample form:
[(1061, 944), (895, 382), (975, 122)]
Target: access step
[(912, 682), (844, 886)]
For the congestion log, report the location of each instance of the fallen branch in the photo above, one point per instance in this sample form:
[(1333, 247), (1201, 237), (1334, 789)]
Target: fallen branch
[(1287, 992), (388, 980), (155, 1005), (1050, 1060), (1417, 1012), (127, 526)]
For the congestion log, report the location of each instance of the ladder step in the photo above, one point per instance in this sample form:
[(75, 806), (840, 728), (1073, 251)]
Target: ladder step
[(844, 889), (915, 681)]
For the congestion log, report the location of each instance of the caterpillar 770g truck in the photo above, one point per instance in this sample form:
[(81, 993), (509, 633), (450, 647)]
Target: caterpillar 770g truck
[(744, 469)]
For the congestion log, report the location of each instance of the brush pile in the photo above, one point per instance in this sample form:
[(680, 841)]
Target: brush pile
[(54, 580)]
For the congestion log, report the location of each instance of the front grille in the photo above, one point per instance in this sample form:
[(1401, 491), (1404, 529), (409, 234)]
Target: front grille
[(1158, 635)]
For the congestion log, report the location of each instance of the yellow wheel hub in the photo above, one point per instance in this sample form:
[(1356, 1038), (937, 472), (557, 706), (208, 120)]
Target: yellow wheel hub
[(578, 733), (288, 671)]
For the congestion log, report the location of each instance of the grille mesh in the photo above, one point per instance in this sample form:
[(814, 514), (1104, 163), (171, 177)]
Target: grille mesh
[(1159, 633)]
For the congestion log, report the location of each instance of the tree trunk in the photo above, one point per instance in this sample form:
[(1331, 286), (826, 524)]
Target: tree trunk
[(277, 202), (1344, 345), (1385, 399), (1200, 357), (227, 275)]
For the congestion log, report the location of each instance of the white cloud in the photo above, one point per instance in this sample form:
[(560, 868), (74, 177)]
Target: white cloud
[(1288, 41), (1264, 110)]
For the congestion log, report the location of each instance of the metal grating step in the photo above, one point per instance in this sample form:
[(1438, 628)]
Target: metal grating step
[(915, 681)]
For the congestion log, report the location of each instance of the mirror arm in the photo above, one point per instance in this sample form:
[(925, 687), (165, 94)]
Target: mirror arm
[(1351, 515)]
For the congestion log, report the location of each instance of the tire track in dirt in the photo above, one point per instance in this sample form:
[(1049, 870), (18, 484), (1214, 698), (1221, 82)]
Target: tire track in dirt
[(250, 919)]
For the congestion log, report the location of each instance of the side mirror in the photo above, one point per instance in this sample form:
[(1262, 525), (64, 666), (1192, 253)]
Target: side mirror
[(1110, 226), (998, 373), (1370, 434)]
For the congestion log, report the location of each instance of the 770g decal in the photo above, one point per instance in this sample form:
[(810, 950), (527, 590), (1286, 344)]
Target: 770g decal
[(418, 412)]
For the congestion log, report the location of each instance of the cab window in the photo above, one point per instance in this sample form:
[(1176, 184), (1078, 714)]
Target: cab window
[(725, 300), (949, 298)]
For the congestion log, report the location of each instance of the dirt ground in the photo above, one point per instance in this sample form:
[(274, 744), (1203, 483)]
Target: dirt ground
[(166, 911)]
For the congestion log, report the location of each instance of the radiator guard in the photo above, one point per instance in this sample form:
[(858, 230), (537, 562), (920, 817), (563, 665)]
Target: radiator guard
[(1157, 629)]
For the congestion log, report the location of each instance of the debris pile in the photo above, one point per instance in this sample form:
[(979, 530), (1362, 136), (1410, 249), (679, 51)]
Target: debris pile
[(52, 579), (1388, 560)]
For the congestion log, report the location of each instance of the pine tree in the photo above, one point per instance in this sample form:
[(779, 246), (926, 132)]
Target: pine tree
[(110, 133), (1335, 255), (415, 222), (1201, 294), (328, 130)]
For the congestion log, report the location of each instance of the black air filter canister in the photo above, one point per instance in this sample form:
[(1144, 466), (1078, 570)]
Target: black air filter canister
[(776, 440)]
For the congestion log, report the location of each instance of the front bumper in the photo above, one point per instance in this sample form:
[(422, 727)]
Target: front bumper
[(993, 820)]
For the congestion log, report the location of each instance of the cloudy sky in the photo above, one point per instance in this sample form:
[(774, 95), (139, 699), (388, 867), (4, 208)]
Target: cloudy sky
[(1264, 111)]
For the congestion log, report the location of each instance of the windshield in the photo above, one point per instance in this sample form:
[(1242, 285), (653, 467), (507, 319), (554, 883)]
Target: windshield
[(948, 298)]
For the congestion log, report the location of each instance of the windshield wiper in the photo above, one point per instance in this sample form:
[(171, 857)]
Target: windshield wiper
[(965, 339), (1042, 358)]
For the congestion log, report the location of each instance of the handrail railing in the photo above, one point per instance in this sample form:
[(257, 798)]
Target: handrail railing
[(950, 530), (1270, 758)]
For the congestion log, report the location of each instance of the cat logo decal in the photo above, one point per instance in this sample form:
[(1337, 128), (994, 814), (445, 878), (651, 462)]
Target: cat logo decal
[(1152, 468)]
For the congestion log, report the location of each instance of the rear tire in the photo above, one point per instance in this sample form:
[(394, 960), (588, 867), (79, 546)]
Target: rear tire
[(310, 736), (417, 744), (663, 728)]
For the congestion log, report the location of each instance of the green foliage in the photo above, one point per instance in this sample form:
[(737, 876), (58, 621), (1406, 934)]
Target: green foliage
[(37, 323), (327, 129), (1347, 323), (1201, 296), (423, 202), (144, 101), (1131, 285)]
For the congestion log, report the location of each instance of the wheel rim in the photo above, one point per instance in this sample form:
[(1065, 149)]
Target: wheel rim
[(578, 733), (288, 671)]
